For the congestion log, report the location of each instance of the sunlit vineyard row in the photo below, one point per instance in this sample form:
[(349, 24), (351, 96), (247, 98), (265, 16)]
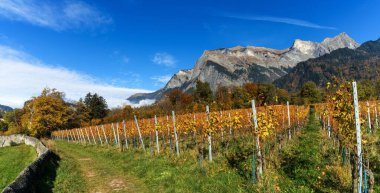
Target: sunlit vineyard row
[(338, 119), (190, 130)]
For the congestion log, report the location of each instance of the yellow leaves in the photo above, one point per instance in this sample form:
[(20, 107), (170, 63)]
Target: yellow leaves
[(236, 121), (266, 123), (214, 123)]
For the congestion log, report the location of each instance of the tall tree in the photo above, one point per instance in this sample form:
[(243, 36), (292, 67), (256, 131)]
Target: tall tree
[(203, 92), (46, 113), (223, 97), (310, 93), (175, 96), (252, 90), (282, 96), (81, 114), (13, 120), (240, 98), (366, 90), (96, 105), (266, 93)]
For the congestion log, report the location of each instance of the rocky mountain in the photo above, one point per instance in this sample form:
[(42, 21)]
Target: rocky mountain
[(176, 81), (4, 108), (238, 65), (362, 63)]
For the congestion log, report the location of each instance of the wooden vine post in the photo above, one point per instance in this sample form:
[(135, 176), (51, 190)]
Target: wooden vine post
[(73, 134), (209, 135), (230, 125), (125, 134), (156, 128), (100, 138), (175, 134), (169, 133), (88, 137), (84, 139), (287, 105), (369, 117), (138, 130), (118, 137), (92, 134), (358, 138), (79, 137), (328, 126), (68, 136), (376, 120), (105, 136), (259, 169), (114, 134)]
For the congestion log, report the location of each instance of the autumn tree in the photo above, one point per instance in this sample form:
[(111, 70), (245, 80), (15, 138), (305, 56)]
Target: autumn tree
[(310, 93), (81, 114), (266, 94), (175, 96), (223, 97), (240, 98), (202, 92), (13, 121), (251, 89), (366, 90), (3, 125), (46, 113), (282, 96)]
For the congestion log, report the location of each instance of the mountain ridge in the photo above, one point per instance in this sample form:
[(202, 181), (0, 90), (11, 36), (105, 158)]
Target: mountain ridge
[(238, 65), (5, 108), (363, 63)]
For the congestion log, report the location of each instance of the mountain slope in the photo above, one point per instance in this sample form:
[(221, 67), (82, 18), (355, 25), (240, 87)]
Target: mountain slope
[(5, 108), (238, 65), (176, 81), (345, 64)]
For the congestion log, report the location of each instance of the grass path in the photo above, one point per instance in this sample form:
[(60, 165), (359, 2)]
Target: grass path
[(91, 170), (13, 160), (105, 169), (310, 161)]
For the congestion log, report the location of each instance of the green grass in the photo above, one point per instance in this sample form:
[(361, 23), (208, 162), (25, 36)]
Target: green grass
[(106, 169), (309, 162), (13, 160), (312, 162)]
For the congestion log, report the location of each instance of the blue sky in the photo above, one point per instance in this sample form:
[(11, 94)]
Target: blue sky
[(120, 47)]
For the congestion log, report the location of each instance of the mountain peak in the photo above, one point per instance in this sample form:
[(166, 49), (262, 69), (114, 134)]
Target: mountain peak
[(341, 40), (178, 79), (304, 46)]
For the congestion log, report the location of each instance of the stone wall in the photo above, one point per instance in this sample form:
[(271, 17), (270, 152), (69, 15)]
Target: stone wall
[(26, 181)]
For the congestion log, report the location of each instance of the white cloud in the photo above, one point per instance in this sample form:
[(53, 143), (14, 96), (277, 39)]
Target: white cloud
[(161, 79), (23, 76), (285, 20), (57, 15), (163, 58), (141, 103)]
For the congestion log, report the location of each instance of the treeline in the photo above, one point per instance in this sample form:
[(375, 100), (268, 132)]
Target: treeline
[(236, 97), (51, 111)]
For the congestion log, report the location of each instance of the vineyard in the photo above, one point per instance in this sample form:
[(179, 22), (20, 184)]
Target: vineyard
[(202, 134), (352, 127), (266, 144)]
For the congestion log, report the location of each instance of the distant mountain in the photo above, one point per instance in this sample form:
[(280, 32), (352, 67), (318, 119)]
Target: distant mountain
[(345, 64), (238, 65), (5, 108), (176, 81)]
